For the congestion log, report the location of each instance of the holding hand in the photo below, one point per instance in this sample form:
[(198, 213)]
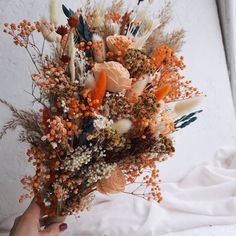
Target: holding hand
[(29, 224)]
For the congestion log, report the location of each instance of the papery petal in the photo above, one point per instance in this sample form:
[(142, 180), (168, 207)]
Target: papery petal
[(122, 126), (114, 184), (118, 77)]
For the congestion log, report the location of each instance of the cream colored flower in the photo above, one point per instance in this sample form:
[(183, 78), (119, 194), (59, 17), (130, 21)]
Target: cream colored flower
[(114, 184), (71, 47), (54, 12), (184, 107), (122, 126), (138, 87), (118, 77), (48, 31), (99, 51)]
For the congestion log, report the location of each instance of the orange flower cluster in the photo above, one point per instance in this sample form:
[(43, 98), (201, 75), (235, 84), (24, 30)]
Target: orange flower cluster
[(80, 108), (57, 131), (148, 172), (168, 65), (37, 156), (22, 31)]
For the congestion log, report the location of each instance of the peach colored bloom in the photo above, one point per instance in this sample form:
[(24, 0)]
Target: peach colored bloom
[(118, 77), (114, 184)]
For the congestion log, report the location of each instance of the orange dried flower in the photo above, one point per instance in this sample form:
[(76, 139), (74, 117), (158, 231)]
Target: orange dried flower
[(100, 89), (162, 92)]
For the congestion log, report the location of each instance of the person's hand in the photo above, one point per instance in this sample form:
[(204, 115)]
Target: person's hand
[(29, 224)]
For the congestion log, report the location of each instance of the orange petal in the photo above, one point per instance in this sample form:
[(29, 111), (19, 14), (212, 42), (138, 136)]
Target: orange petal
[(100, 89), (162, 92)]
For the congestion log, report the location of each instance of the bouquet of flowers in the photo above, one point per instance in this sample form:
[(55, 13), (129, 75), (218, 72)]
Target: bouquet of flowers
[(111, 95)]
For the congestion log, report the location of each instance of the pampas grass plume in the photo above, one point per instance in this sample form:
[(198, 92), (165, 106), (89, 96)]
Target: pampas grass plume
[(71, 46), (186, 106), (122, 126), (54, 12)]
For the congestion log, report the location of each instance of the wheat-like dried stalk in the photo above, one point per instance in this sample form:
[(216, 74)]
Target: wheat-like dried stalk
[(28, 120)]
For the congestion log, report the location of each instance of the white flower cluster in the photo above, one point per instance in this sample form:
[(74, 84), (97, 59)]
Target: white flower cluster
[(101, 122), (64, 106), (81, 61), (99, 171), (80, 157)]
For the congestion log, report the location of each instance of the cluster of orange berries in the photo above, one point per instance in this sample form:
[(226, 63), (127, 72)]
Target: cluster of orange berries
[(22, 31), (83, 107), (37, 156), (169, 65), (57, 131), (85, 46), (40, 81), (150, 181), (166, 56), (78, 109)]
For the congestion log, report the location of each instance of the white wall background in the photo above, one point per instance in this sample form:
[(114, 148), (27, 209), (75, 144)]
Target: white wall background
[(206, 66)]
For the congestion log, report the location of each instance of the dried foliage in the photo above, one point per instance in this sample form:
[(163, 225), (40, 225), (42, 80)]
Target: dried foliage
[(27, 120)]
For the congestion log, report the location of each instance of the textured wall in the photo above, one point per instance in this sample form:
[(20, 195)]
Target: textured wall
[(206, 66)]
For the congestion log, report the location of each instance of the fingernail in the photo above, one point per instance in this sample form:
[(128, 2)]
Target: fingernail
[(63, 227)]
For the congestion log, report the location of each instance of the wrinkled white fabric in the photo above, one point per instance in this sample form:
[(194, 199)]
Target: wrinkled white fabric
[(206, 196)]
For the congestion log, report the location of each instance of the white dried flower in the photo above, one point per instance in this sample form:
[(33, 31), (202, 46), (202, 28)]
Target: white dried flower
[(101, 122), (44, 138), (138, 88), (122, 126), (141, 38), (112, 27), (186, 106), (48, 31), (72, 50), (54, 145), (54, 12), (90, 81), (98, 171), (99, 50), (80, 157)]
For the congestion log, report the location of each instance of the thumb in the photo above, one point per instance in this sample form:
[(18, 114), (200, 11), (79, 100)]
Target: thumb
[(33, 211)]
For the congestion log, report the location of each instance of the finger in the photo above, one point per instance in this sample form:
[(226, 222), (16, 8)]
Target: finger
[(15, 225), (16, 220), (52, 230), (33, 210)]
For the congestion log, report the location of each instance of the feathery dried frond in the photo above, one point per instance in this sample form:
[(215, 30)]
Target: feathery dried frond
[(175, 39), (28, 120)]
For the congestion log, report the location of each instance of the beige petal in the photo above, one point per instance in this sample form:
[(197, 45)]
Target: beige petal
[(114, 184), (118, 77)]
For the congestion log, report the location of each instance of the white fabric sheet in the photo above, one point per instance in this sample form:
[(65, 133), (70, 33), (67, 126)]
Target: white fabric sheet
[(206, 196)]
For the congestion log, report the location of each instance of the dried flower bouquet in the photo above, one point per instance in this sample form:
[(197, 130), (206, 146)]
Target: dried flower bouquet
[(106, 92)]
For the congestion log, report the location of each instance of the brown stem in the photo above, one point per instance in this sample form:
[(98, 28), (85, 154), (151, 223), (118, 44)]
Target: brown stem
[(32, 59)]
